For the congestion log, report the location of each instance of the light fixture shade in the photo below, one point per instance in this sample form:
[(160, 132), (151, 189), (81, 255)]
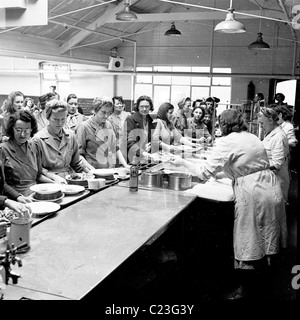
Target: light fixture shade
[(173, 31), (259, 44), (230, 25), (126, 15)]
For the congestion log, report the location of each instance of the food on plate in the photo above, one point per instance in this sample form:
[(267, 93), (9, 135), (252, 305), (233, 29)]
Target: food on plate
[(48, 196), (80, 176)]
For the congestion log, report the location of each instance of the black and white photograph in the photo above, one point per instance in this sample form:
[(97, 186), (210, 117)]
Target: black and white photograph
[(149, 154)]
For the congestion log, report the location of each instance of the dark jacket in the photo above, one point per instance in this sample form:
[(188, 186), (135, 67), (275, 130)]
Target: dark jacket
[(135, 138), (5, 189)]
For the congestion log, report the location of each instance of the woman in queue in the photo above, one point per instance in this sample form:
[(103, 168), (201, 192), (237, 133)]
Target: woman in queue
[(40, 116), (8, 196), (58, 146), (260, 228), (138, 130), (28, 104), (165, 135), (14, 103), (284, 121), (22, 165), (197, 130), (180, 118), (276, 144), (118, 117), (207, 120), (74, 117), (96, 138)]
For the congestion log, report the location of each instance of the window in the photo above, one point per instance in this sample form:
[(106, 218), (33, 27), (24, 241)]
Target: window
[(172, 88), (59, 72)]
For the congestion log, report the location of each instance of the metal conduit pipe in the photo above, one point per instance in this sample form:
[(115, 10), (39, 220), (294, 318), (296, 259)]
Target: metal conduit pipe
[(280, 3)]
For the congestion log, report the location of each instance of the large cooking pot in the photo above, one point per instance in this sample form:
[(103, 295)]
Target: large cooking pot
[(178, 180), (152, 179)]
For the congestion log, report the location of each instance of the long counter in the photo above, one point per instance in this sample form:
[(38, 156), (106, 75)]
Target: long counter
[(72, 252)]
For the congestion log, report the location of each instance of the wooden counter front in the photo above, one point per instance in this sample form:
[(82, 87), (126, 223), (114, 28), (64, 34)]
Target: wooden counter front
[(73, 252)]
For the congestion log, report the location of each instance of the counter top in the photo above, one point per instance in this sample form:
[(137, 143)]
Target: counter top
[(73, 252)]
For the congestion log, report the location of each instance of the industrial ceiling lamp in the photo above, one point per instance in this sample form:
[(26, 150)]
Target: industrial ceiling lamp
[(126, 14), (173, 31), (230, 25), (259, 44)]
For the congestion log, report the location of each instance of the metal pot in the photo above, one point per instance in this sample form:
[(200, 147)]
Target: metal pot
[(152, 179), (179, 181)]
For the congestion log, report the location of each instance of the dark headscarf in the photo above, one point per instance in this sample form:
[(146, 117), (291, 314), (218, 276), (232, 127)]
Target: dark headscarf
[(162, 113)]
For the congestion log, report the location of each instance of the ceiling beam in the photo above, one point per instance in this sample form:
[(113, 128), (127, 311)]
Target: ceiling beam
[(108, 16), (33, 47), (188, 16)]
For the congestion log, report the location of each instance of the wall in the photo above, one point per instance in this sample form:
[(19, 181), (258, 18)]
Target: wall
[(22, 75)]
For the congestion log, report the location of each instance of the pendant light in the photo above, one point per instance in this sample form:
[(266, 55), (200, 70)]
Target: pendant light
[(230, 25), (173, 31), (259, 44), (126, 14)]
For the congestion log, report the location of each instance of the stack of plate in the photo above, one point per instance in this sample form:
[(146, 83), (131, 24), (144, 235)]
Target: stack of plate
[(47, 192)]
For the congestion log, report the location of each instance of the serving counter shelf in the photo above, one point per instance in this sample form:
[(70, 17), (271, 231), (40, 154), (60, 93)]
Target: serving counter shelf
[(68, 200), (86, 242)]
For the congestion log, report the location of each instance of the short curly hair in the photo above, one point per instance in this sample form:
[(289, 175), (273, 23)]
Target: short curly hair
[(71, 96), (142, 98), (231, 120), (285, 111), (22, 115), (98, 103), (281, 95), (55, 104)]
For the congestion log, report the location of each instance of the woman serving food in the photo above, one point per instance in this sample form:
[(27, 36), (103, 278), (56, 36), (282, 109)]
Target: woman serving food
[(260, 228)]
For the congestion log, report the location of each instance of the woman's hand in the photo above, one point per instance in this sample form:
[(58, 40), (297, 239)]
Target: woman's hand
[(23, 199), (58, 179), (200, 140), (148, 146), (176, 161), (21, 209), (173, 149)]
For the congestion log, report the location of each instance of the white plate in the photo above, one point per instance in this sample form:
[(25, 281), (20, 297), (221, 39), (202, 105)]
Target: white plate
[(103, 172), (72, 189), (43, 207), (31, 196), (46, 188)]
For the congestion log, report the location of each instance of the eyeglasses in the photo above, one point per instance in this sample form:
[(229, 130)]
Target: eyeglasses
[(144, 106), (19, 131)]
